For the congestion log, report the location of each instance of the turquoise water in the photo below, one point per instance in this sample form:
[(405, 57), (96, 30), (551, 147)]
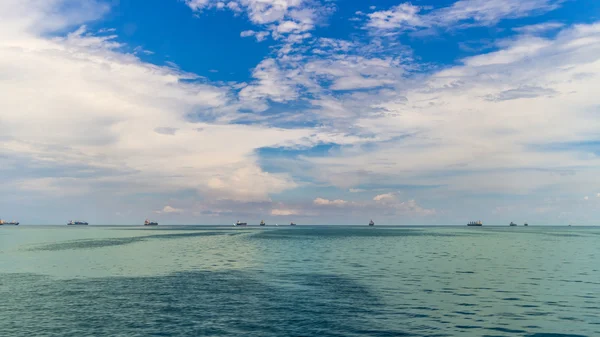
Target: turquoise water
[(299, 281)]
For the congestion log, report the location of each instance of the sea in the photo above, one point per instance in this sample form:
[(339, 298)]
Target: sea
[(299, 281)]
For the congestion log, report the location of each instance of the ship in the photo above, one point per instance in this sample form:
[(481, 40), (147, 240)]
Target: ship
[(475, 223), (512, 224), (237, 223), (9, 223), (292, 224), (72, 223), (262, 223), (526, 224), (150, 223), (371, 223)]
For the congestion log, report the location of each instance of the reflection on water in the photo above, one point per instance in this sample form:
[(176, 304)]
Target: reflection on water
[(303, 281)]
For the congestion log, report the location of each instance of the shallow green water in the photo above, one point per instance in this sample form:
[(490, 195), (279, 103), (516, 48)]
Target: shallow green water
[(299, 281)]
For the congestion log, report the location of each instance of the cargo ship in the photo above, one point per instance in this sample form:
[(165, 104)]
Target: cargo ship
[(74, 223), (150, 223), (237, 223), (262, 223), (9, 223), (512, 224), (475, 223), (371, 223), (292, 224)]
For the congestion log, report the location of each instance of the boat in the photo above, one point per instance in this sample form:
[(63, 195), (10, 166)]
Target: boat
[(73, 223), (237, 223), (292, 224), (475, 223), (371, 223), (512, 224), (150, 223), (262, 223), (9, 223), (525, 224)]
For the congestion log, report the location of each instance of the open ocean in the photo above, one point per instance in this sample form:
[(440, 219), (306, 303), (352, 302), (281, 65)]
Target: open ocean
[(299, 281)]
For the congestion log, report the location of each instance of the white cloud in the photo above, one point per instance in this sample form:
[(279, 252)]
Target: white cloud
[(385, 197), (461, 13), (279, 17), (388, 204), (260, 36), (326, 202), (403, 16), (110, 111), (169, 209), (539, 28), (356, 190), (283, 212), (493, 124), (197, 4), (356, 72), (586, 198), (271, 82)]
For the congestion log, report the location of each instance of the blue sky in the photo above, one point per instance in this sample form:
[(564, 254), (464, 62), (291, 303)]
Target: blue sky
[(316, 111)]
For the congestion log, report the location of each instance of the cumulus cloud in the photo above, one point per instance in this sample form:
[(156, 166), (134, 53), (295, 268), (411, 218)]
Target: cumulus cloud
[(385, 197), (169, 209), (283, 212), (280, 18), (260, 36), (111, 111)]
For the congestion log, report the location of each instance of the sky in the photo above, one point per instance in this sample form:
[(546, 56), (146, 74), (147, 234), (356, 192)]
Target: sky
[(313, 111)]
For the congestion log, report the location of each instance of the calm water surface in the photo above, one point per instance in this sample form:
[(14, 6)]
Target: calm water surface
[(299, 281)]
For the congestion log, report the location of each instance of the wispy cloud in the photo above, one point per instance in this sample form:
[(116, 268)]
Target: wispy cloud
[(539, 28), (463, 13), (326, 202)]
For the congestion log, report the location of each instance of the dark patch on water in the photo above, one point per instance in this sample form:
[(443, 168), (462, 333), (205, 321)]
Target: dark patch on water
[(507, 330), (298, 233), (108, 242), (468, 326), (190, 304), (554, 335)]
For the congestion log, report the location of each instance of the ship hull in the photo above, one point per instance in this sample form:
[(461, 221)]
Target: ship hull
[(10, 224), (77, 224), (151, 224), (474, 225)]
